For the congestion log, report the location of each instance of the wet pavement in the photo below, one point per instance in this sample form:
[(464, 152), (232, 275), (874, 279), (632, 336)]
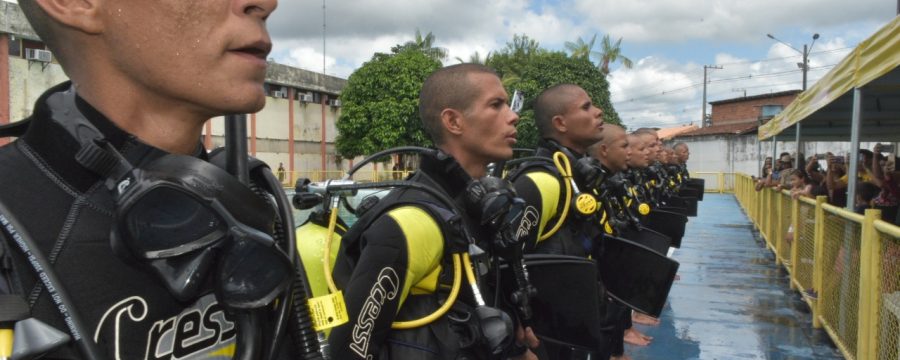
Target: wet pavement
[(732, 301)]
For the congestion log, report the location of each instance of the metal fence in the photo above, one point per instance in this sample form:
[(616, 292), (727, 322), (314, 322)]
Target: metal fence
[(846, 266), (716, 182)]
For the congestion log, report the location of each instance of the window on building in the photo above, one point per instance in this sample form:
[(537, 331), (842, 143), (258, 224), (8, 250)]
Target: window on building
[(15, 46), (277, 91), (769, 111)]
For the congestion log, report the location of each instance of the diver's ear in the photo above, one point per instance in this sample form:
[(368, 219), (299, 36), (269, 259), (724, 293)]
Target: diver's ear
[(81, 15), (452, 120), (559, 123)]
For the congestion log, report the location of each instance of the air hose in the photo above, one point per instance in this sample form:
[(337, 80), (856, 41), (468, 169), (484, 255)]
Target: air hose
[(51, 283), (294, 312)]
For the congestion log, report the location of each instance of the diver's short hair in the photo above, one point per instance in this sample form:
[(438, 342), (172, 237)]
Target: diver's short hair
[(645, 131), (447, 88), (549, 103)]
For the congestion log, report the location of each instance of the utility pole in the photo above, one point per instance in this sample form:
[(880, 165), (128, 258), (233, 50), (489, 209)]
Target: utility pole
[(804, 66), (706, 67), (323, 41)]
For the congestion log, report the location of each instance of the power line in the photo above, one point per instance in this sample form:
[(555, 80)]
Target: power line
[(783, 58), (760, 60), (743, 77)]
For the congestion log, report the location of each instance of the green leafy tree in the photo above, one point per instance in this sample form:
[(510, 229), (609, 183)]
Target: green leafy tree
[(424, 44), (610, 53), (543, 69), (381, 104)]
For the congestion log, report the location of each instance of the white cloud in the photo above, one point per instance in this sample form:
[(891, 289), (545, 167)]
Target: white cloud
[(358, 30), (658, 92), (665, 20), (655, 92), (722, 32)]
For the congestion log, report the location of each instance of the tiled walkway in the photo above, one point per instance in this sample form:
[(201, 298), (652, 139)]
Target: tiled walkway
[(732, 301)]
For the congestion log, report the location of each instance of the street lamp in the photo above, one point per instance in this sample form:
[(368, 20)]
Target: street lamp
[(805, 52), (805, 67)]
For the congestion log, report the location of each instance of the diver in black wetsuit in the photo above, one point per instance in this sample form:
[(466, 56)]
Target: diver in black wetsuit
[(394, 262), (568, 123), (614, 152)]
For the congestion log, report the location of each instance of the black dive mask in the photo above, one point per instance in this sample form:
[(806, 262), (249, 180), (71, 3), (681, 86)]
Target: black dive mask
[(186, 219)]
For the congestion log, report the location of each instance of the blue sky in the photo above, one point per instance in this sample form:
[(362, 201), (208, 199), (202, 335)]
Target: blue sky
[(669, 41)]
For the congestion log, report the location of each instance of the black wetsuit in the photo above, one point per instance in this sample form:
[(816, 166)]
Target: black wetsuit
[(395, 265), (69, 213), (542, 187)]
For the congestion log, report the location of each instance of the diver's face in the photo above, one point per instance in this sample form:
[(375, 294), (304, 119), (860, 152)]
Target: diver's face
[(207, 57), (583, 121), (489, 124), (651, 146), (638, 158), (619, 153)]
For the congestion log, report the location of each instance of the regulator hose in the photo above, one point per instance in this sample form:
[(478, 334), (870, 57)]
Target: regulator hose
[(54, 287)]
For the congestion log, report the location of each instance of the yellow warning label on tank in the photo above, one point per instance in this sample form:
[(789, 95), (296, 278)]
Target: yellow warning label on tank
[(586, 204), (644, 209), (328, 311)]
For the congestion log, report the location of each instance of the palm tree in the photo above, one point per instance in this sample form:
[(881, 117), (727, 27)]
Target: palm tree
[(522, 47), (580, 48), (475, 58), (424, 44), (610, 53)]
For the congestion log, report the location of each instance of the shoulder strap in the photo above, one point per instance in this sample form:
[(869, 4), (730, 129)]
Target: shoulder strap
[(532, 163), (449, 220)]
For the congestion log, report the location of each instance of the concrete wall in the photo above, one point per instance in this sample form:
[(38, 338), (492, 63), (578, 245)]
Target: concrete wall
[(27, 81), (729, 154), (272, 124), (13, 21)]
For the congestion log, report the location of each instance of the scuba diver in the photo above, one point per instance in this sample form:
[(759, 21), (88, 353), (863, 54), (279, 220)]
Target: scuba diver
[(555, 181), (614, 151), (396, 264), (127, 239)]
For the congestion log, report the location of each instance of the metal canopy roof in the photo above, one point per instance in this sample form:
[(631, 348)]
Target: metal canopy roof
[(825, 109)]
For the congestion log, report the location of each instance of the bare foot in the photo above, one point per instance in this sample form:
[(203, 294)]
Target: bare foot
[(634, 337), (644, 319), (677, 277)]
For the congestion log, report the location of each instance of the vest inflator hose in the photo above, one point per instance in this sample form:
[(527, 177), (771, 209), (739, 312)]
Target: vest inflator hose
[(326, 257), (565, 169), (454, 292)]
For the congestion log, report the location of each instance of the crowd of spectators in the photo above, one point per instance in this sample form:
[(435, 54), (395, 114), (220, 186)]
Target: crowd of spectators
[(878, 182)]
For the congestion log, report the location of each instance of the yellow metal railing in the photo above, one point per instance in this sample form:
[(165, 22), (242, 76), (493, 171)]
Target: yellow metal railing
[(716, 182), (884, 307), (784, 233), (839, 293), (846, 266)]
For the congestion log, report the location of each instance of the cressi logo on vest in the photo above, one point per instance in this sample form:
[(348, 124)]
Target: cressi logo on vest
[(203, 331), (529, 220), (386, 287)]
